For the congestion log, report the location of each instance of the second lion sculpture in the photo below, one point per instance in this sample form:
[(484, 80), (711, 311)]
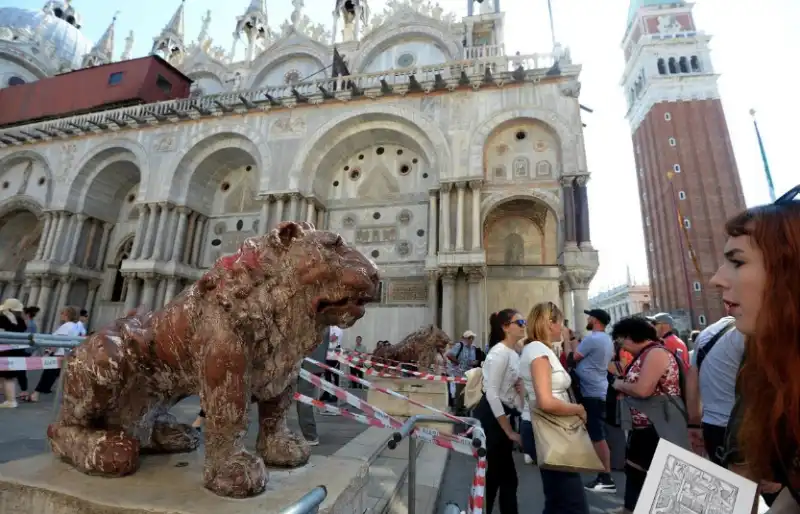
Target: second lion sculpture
[(242, 330), (421, 347)]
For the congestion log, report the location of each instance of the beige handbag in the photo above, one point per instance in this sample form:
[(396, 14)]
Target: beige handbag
[(563, 444), (473, 390)]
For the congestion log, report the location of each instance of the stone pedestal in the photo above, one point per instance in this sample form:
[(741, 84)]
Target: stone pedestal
[(172, 484)]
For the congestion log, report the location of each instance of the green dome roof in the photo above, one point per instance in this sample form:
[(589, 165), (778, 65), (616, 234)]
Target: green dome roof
[(638, 4)]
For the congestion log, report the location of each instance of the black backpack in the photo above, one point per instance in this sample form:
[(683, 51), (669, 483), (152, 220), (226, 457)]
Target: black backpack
[(703, 351)]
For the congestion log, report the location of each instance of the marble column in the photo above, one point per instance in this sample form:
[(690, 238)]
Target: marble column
[(149, 291), (48, 219), (570, 231), (579, 280), (294, 199), (263, 217), (477, 239), (433, 297), (80, 219), (132, 296), (94, 285), (55, 252), (279, 202), (33, 297), (460, 187), (88, 244), (582, 209), (448, 301), (320, 224), (566, 302), (16, 289), (180, 235), (190, 236), (138, 238), (169, 294), (161, 235), (161, 290), (433, 223), (150, 234), (64, 286), (445, 194), (169, 244), (310, 210), (102, 250), (200, 229), (43, 302), (51, 237), (474, 282)]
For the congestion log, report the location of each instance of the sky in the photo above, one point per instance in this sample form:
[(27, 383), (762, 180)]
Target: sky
[(754, 49)]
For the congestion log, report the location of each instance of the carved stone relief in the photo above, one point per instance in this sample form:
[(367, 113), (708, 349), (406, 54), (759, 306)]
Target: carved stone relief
[(403, 249), (288, 127), (349, 221), (544, 169), (165, 144), (521, 167), (405, 217), (407, 291), (376, 234)]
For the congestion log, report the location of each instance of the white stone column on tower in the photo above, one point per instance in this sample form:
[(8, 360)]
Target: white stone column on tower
[(94, 285), (88, 246), (132, 296), (460, 186), (161, 235), (433, 221), (445, 198), (80, 219), (55, 251), (566, 302), (33, 296), (64, 287), (169, 294), (433, 297), (200, 229), (477, 240), (102, 250), (138, 238), (263, 217), (279, 202), (48, 219), (148, 293), (180, 235), (190, 235), (169, 244), (51, 237), (43, 302), (149, 236), (474, 292), (448, 301), (294, 202), (161, 290), (311, 213)]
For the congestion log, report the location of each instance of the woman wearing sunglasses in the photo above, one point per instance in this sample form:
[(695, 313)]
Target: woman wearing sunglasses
[(502, 398), (760, 284)]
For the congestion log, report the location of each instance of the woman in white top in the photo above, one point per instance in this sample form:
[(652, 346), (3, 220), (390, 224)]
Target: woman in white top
[(69, 327), (547, 386), (501, 398)]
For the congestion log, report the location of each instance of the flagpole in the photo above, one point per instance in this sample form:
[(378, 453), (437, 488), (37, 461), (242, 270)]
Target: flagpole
[(552, 24), (770, 185)]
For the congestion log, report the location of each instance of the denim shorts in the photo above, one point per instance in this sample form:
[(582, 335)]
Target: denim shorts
[(595, 418)]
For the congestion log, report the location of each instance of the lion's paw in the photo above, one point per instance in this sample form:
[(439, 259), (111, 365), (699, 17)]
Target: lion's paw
[(283, 449), (240, 476)]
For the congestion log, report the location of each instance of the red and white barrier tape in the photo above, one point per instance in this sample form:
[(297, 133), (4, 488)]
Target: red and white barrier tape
[(29, 363), (7, 347), (355, 361), (451, 442)]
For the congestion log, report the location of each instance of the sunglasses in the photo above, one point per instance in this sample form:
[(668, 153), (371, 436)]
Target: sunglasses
[(519, 322), (790, 196)]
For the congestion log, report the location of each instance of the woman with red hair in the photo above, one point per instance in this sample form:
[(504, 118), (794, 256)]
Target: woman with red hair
[(760, 283)]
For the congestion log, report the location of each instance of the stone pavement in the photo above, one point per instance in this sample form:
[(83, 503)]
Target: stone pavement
[(460, 469), (23, 430)]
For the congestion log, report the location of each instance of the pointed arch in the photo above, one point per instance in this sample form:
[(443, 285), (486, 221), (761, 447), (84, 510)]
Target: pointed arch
[(284, 50)]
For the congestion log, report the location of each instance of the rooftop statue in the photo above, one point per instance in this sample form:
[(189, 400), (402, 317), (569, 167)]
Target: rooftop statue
[(243, 329)]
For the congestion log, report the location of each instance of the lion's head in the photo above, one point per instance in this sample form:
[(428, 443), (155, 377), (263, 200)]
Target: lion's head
[(308, 272)]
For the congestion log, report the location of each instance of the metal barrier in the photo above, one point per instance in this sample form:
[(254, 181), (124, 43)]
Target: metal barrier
[(308, 504), (405, 431)]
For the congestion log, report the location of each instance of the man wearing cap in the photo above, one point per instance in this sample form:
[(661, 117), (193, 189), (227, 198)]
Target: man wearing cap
[(461, 359), (593, 355), (665, 324)]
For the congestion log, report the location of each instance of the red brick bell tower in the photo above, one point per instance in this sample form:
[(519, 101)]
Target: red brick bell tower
[(687, 174)]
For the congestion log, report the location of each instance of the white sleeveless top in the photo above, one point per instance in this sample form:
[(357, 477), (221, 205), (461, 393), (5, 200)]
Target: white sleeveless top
[(560, 380)]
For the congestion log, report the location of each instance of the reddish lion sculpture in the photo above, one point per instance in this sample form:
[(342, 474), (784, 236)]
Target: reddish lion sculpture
[(241, 330), (420, 347)]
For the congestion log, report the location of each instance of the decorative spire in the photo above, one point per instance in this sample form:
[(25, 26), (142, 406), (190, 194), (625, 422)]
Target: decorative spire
[(297, 12), (203, 36), (126, 54), (169, 44), (103, 50), (254, 24)]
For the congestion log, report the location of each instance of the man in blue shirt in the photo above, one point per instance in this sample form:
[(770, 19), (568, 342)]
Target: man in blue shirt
[(593, 355)]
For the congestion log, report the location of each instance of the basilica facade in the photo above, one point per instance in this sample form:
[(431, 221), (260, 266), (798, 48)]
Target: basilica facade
[(460, 170)]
